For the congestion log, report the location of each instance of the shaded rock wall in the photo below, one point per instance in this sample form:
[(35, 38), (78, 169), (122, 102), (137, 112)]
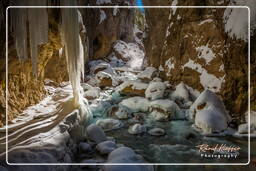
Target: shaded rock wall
[(105, 26), (190, 45)]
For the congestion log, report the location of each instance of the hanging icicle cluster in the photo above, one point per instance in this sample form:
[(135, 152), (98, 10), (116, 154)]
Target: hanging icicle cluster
[(73, 48), (37, 19)]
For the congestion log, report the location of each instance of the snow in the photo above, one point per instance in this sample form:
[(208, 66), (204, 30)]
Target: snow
[(130, 52), (163, 109), (155, 90), (103, 16), (109, 124), (211, 121), (92, 93), (208, 100), (174, 3), (115, 11), (135, 85), (207, 80), (209, 20), (206, 53), (181, 93), (100, 2), (169, 66), (136, 104), (236, 19), (148, 73), (137, 129)]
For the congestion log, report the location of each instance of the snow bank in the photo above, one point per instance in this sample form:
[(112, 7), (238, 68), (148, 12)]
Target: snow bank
[(155, 90)]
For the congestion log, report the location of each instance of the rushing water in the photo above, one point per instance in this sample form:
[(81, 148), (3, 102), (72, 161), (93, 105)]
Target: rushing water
[(177, 146)]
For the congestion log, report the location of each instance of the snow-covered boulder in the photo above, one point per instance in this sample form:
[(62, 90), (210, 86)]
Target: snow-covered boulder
[(95, 133), (125, 155), (155, 90), (106, 147), (92, 93), (211, 121), (156, 132), (109, 124), (137, 129), (163, 109), (102, 67), (120, 112), (132, 88), (135, 104), (181, 93), (208, 100), (243, 128), (104, 79), (148, 74)]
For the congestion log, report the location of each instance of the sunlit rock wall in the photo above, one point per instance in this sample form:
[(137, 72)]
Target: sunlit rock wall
[(191, 45)]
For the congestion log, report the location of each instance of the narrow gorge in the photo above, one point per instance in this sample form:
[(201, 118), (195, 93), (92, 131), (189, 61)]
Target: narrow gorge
[(97, 84)]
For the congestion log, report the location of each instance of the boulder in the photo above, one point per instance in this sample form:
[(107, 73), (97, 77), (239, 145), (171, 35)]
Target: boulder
[(156, 132), (84, 147), (163, 110), (135, 104), (211, 121), (132, 88), (148, 74), (106, 147), (109, 124), (155, 90), (95, 133), (137, 129)]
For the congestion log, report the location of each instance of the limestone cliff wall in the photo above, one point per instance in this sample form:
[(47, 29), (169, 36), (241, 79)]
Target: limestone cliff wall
[(191, 45)]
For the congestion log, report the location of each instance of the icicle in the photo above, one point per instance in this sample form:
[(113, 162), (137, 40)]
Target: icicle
[(73, 49), (38, 29), (19, 19)]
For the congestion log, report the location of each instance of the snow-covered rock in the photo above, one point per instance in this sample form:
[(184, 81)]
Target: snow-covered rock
[(125, 155), (109, 124), (95, 133), (211, 121), (122, 112), (156, 132), (106, 147), (243, 128), (84, 147), (104, 79), (155, 90), (181, 93), (136, 104), (163, 109), (208, 100), (132, 88), (148, 74), (92, 93), (137, 129)]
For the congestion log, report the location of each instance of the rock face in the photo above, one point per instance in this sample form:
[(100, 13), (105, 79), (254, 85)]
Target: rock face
[(192, 43), (24, 88), (108, 26)]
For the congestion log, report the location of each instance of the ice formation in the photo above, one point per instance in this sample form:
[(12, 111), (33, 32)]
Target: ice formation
[(38, 29), (73, 49)]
